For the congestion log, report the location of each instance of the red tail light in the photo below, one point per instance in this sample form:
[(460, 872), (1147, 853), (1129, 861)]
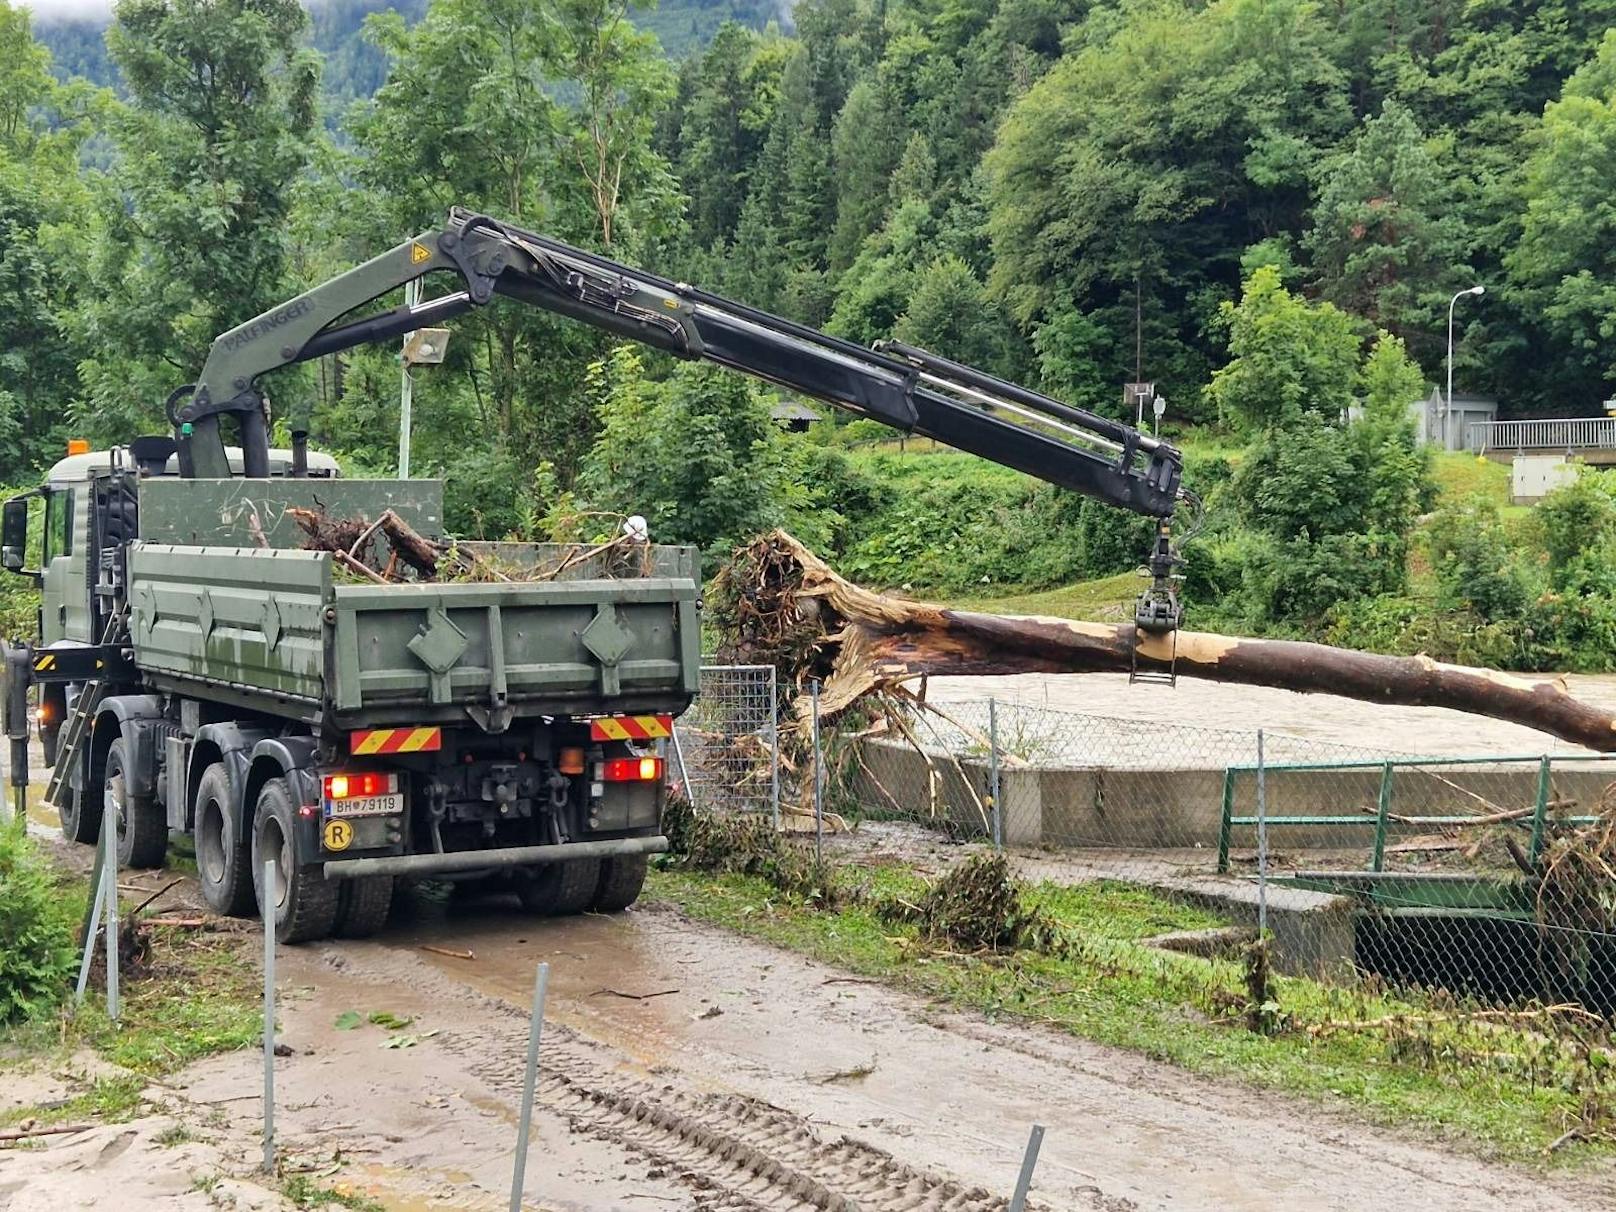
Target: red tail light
[(632, 770), (352, 786)]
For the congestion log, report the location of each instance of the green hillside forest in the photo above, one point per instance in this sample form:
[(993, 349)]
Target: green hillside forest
[(1263, 206)]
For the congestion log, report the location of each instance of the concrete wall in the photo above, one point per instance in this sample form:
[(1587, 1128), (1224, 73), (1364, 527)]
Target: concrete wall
[(1176, 809)]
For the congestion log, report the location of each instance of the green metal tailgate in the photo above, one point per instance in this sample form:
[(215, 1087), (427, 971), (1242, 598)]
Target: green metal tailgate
[(584, 645)]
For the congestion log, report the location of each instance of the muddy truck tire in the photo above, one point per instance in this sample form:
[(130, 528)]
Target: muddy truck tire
[(558, 889), (223, 847), (142, 829), (305, 903), (363, 905), (621, 880)]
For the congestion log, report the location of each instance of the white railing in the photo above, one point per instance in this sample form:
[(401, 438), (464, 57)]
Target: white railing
[(1572, 433)]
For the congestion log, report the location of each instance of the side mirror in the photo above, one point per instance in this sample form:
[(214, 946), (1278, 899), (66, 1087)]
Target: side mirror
[(14, 535)]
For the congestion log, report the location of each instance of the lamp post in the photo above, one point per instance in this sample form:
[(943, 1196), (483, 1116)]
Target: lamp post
[(1447, 407)]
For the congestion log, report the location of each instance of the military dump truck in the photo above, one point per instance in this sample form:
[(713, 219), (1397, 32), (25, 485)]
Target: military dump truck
[(231, 685), (199, 670)]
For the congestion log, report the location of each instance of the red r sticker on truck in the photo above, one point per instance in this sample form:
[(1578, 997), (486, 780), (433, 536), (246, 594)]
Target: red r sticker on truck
[(631, 728), (395, 740)]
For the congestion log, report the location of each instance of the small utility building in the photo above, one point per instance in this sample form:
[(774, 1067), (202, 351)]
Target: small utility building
[(1449, 428)]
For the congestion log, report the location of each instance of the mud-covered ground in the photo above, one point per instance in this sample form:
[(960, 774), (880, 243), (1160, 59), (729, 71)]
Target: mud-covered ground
[(684, 1068)]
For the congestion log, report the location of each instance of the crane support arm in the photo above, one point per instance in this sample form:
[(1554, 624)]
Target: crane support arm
[(912, 390)]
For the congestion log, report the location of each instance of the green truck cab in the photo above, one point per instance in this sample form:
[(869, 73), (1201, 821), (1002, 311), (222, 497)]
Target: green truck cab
[(200, 673)]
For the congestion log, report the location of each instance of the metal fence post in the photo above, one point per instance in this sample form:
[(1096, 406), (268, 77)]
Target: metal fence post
[(1262, 841), (1029, 1161), (993, 773), (774, 744), (92, 921), (684, 772), (524, 1123), (1226, 823), (109, 875), (271, 888), (819, 803), (1540, 810), (1383, 811)]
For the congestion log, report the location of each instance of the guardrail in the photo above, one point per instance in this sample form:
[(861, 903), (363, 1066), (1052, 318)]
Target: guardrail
[(1571, 433), (1383, 817)]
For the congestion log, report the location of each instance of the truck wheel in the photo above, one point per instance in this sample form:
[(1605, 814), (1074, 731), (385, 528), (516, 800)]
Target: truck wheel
[(620, 882), (362, 905), (222, 847), (142, 829), (81, 821), (305, 904), (556, 889)]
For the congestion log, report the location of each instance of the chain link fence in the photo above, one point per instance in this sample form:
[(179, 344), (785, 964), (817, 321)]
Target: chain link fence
[(726, 747), (1491, 878), (1412, 913)]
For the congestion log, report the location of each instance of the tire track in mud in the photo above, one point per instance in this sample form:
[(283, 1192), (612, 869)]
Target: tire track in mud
[(738, 1154), (752, 1156)]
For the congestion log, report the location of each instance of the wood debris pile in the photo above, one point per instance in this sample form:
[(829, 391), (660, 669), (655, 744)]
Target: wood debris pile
[(389, 550)]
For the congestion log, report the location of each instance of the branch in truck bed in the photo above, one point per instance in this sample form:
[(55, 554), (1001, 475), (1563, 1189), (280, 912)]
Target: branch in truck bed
[(347, 538), (779, 603)]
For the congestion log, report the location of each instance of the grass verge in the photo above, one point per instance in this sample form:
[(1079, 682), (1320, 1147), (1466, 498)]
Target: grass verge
[(1103, 599), (1501, 1085), (199, 995)]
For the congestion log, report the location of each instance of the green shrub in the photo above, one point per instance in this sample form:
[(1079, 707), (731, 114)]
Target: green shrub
[(36, 931), (19, 609), (1577, 517), (1406, 626), (1476, 565), (1573, 625)]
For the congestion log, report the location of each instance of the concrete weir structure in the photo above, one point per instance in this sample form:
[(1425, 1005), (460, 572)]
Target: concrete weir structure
[(1185, 832)]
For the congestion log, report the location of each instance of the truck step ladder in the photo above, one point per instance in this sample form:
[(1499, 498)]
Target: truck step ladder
[(77, 728)]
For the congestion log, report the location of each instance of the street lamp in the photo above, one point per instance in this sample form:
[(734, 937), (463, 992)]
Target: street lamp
[(1447, 408)]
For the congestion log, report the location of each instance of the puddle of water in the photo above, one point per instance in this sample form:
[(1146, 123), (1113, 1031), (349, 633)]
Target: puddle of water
[(594, 961), (492, 1106), (400, 1190)]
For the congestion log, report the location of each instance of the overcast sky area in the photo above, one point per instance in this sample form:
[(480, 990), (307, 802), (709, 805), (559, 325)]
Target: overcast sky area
[(56, 10)]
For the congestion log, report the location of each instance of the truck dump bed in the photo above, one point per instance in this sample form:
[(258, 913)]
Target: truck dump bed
[(279, 628)]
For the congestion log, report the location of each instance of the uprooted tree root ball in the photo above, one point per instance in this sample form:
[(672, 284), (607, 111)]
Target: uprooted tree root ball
[(777, 602)]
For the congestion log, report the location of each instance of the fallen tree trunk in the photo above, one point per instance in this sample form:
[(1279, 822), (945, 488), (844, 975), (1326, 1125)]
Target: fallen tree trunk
[(779, 602)]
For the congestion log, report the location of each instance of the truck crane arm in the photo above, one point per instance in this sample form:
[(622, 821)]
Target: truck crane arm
[(908, 388)]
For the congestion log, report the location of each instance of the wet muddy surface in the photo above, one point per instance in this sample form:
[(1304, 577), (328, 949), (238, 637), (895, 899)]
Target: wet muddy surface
[(684, 1068)]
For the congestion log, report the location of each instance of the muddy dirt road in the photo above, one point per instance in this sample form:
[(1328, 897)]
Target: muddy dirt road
[(685, 1068)]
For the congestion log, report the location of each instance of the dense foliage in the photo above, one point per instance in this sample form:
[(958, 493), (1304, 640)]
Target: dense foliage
[(38, 929), (1264, 206)]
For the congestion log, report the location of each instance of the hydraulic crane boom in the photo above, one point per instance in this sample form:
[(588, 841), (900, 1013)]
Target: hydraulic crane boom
[(907, 388)]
